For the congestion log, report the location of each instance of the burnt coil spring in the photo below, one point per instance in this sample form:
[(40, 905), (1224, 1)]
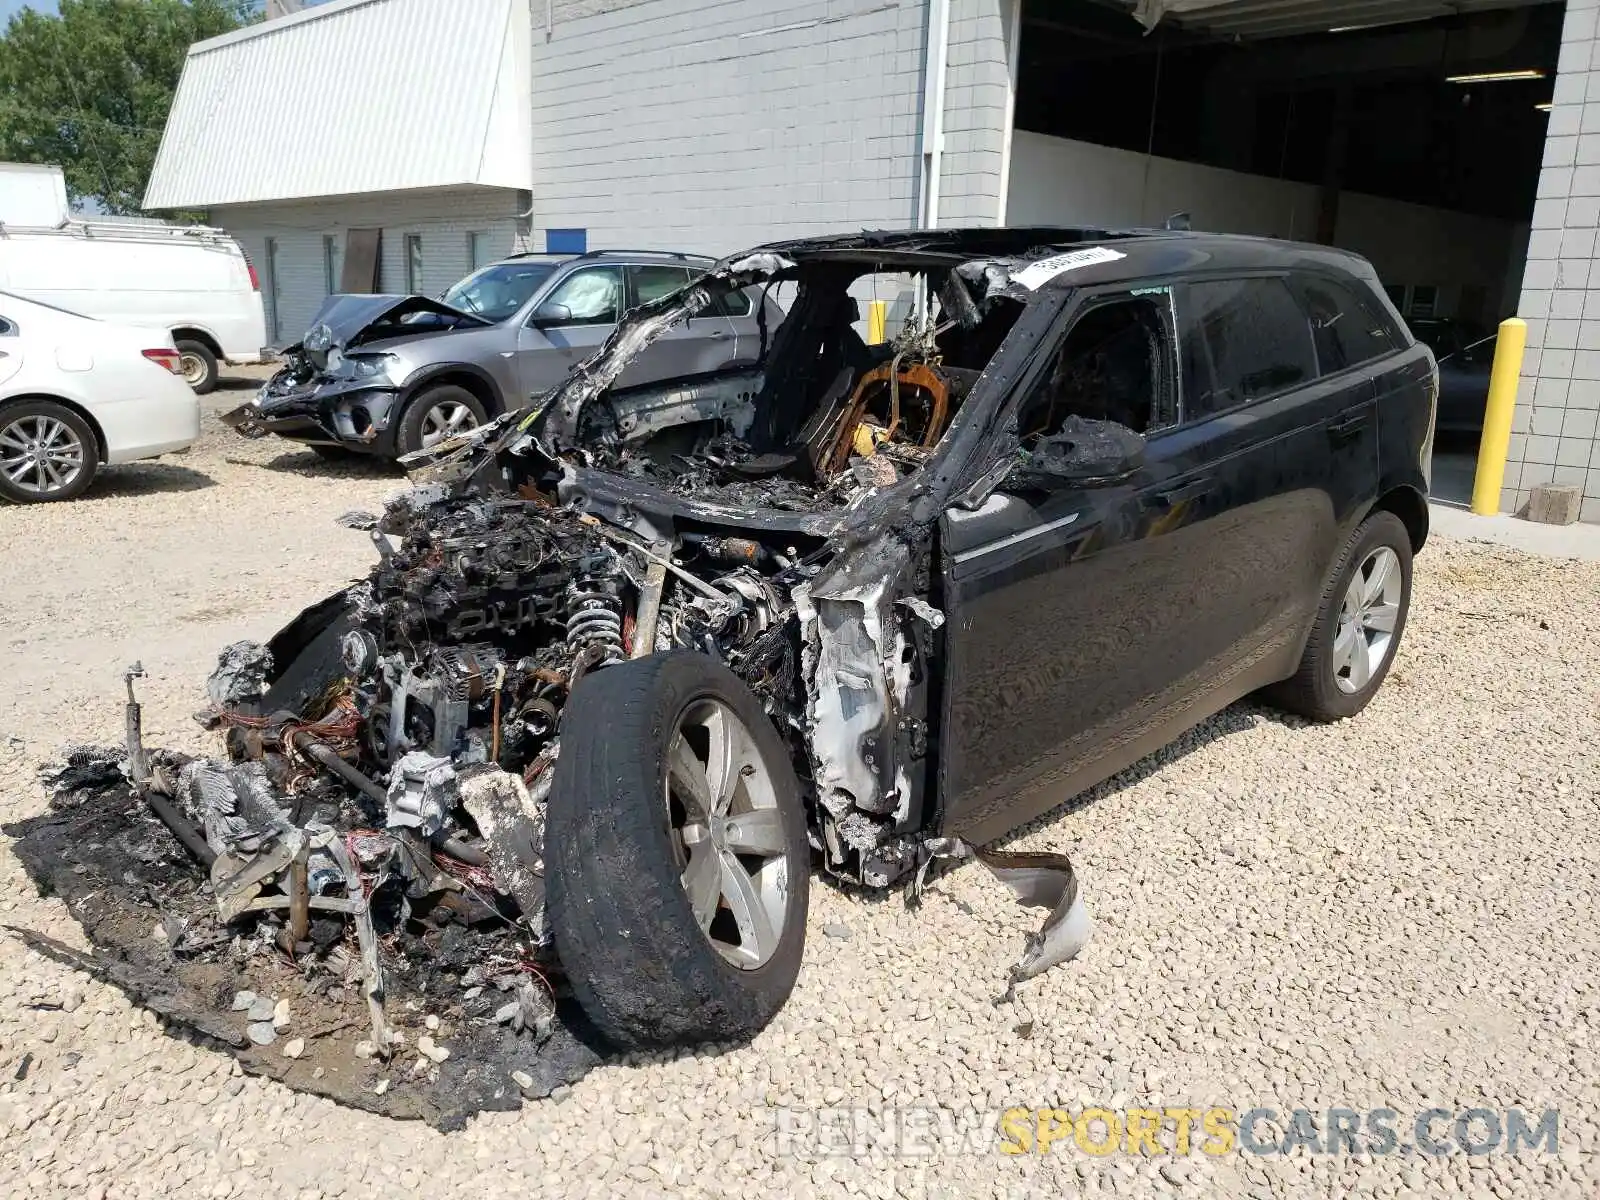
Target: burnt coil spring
[(595, 619)]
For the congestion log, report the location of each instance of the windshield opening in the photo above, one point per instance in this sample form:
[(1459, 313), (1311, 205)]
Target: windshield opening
[(498, 291)]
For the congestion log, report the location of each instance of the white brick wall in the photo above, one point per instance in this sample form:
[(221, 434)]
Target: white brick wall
[(443, 219), (976, 109), (1553, 434), (710, 125)]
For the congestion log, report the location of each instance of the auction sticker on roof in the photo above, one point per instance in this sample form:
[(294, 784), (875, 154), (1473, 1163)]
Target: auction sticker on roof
[(1046, 269)]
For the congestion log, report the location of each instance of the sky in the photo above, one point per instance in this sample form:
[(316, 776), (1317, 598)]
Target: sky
[(9, 7)]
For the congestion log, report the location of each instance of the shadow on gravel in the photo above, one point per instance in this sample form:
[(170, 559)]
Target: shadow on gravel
[(351, 466), (1236, 718), (144, 479)]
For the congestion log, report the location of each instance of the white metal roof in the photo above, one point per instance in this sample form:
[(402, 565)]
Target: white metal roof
[(352, 96)]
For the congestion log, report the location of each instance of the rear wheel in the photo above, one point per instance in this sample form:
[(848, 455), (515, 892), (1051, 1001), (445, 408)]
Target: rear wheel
[(1358, 625), (199, 366), (437, 414), (678, 869), (47, 452)]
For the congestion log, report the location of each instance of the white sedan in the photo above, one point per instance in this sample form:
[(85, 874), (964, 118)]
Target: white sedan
[(77, 394)]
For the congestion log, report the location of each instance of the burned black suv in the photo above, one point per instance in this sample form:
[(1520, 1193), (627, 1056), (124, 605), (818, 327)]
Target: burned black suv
[(634, 659)]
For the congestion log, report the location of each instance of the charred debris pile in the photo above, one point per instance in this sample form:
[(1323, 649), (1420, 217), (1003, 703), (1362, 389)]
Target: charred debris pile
[(368, 846)]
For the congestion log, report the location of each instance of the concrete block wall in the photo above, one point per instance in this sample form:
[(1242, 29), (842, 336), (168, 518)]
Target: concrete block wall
[(1553, 433), (442, 218), (712, 125), (977, 111)]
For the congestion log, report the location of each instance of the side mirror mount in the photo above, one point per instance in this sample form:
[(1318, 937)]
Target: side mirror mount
[(1082, 454), (551, 313)]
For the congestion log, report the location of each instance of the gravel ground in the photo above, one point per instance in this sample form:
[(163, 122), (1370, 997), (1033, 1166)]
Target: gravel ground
[(1395, 911)]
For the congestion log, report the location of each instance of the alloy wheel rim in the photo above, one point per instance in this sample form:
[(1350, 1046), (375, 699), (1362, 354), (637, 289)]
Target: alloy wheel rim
[(727, 834), (193, 367), (1364, 636), (40, 454), (446, 420)]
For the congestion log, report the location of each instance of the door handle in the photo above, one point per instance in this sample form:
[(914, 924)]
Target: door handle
[(717, 333), (1192, 490), (1346, 428)]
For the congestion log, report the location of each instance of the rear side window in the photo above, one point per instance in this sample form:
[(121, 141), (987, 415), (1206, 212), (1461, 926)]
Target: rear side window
[(1243, 339), (734, 304), (1346, 331), (7, 328), (653, 282)]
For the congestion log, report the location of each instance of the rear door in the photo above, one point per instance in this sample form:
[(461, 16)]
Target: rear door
[(698, 346), (1351, 338)]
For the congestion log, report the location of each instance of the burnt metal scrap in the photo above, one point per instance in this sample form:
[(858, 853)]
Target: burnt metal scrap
[(368, 844)]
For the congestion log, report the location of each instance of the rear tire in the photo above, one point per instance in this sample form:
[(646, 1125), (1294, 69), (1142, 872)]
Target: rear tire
[(621, 847), (1358, 626), (436, 414), (47, 452), (199, 366)]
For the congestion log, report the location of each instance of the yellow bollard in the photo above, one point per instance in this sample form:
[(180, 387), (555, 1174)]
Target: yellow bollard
[(1496, 438), (877, 322)]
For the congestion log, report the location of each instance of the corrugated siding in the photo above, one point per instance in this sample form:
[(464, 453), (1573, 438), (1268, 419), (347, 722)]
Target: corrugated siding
[(443, 220), (377, 96)]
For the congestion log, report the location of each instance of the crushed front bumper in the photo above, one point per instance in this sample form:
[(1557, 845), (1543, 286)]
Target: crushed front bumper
[(359, 417)]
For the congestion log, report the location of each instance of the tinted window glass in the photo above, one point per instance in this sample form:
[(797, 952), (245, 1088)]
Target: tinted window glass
[(1243, 339), (499, 291), (652, 283), (1346, 331), (734, 304)]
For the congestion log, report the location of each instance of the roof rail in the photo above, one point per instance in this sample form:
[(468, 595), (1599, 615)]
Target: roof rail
[(119, 230), (677, 254)]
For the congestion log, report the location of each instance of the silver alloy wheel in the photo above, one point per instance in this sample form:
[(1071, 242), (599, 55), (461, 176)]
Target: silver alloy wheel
[(1365, 633), (40, 454), (194, 369), (445, 420), (727, 834)]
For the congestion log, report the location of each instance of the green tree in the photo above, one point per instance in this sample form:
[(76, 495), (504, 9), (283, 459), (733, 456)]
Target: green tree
[(90, 90)]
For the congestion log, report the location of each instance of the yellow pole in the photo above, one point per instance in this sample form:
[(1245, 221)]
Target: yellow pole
[(1497, 416), (877, 322)]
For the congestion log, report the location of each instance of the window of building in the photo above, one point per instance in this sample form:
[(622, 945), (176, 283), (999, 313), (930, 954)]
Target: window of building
[(274, 326), (478, 253), (414, 263), (332, 263), (1115, 364), (653, 282), (1345, 330), (1243, 339), (592, 296)]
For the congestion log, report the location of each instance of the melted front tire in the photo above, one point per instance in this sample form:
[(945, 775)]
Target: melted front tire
[(645, 963)]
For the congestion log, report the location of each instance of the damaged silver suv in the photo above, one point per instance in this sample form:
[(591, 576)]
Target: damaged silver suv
[(634, 659)]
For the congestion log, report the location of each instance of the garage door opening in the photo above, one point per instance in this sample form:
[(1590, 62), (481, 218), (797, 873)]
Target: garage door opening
[(1417, 144)]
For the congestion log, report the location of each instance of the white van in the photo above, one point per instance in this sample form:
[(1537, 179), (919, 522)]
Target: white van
[(191, 280)]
